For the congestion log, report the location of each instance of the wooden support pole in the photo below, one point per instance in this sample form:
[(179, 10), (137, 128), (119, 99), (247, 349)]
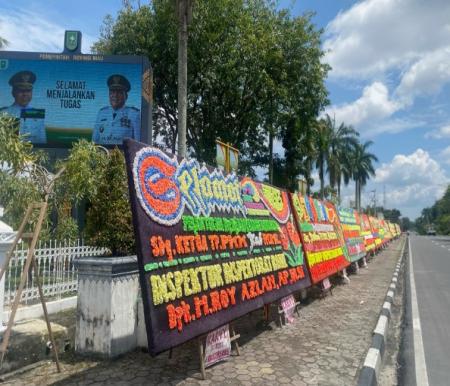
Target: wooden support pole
[(16, 240), (44, 308), (23, 278), (234, 338), (266, 312), (202, 357), (30, 260)]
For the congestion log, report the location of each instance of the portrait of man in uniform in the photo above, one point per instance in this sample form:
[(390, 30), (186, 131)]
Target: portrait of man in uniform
[(31, 120), (117, 121)]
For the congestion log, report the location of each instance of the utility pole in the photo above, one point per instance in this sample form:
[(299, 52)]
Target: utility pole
[(184, 11), (373, 201)]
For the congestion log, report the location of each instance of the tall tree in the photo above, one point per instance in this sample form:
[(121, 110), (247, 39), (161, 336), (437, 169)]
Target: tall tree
[(184, 13), (342, 139), (362, 161), (253, 70), (405, 224), (332, 144), (304, 95), (322, 146), (437, 216)]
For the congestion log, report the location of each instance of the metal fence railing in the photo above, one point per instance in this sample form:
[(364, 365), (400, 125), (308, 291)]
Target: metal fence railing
[(55, 261)]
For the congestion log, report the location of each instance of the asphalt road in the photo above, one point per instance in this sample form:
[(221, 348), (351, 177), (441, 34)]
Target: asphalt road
[(427, 324)]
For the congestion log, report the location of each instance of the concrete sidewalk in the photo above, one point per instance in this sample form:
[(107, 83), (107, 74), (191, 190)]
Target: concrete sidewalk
[(324, 346)]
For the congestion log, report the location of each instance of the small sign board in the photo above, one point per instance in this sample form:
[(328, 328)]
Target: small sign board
[(227, 156), (234, 159), (221, 156), (326, 284), (288, 306), (218, 345)]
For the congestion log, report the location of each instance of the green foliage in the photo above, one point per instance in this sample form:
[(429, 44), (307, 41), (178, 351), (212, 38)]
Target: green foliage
[(15, 151), (332, 148), (92, 176), (82, 171), (66, 229), (393, 215), (361, 168), (20, 179), (437, 216), (16, 193), (109, 215), (405, 224), (97, 178), (84, 168)]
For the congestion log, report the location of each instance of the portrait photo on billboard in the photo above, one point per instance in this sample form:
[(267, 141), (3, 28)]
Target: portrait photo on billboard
[(60, 99)]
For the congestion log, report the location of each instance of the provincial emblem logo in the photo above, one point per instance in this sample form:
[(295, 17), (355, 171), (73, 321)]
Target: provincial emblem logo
[(71, 40)]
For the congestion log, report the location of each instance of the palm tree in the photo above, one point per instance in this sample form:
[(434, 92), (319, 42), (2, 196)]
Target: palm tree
[(307, 147), (342, 139), (322, 141), (362, 168), (332, 144), (347, 166)]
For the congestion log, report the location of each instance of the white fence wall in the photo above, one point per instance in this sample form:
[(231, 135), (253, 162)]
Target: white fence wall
[(57, 272)]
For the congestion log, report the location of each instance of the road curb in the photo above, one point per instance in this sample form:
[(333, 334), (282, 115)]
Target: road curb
[(368, 376)]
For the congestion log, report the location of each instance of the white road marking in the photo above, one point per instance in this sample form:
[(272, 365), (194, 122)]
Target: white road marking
[(419, 353)]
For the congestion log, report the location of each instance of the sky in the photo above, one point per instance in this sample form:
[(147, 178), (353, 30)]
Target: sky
[(390, 79)]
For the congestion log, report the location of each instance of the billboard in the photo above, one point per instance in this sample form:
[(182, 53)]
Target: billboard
[(324, 248), (351, 227), (367, 233), (211, 246), (60, 98), (375, 225)]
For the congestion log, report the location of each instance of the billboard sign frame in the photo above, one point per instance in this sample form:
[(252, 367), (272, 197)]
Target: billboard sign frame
[(37, 59)]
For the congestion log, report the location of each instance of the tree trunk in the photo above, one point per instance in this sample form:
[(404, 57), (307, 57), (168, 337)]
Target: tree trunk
[(358, 195), (308, 177), (339, 191), (183, 8), (270, 157), (321, 180)]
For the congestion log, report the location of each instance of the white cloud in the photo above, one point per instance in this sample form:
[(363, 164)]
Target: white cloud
[(425, 77), (377, 35), (27, 31), (445, 155), (403, 43), (442, 132), (373, 105), (392, 126), (412, 181)]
